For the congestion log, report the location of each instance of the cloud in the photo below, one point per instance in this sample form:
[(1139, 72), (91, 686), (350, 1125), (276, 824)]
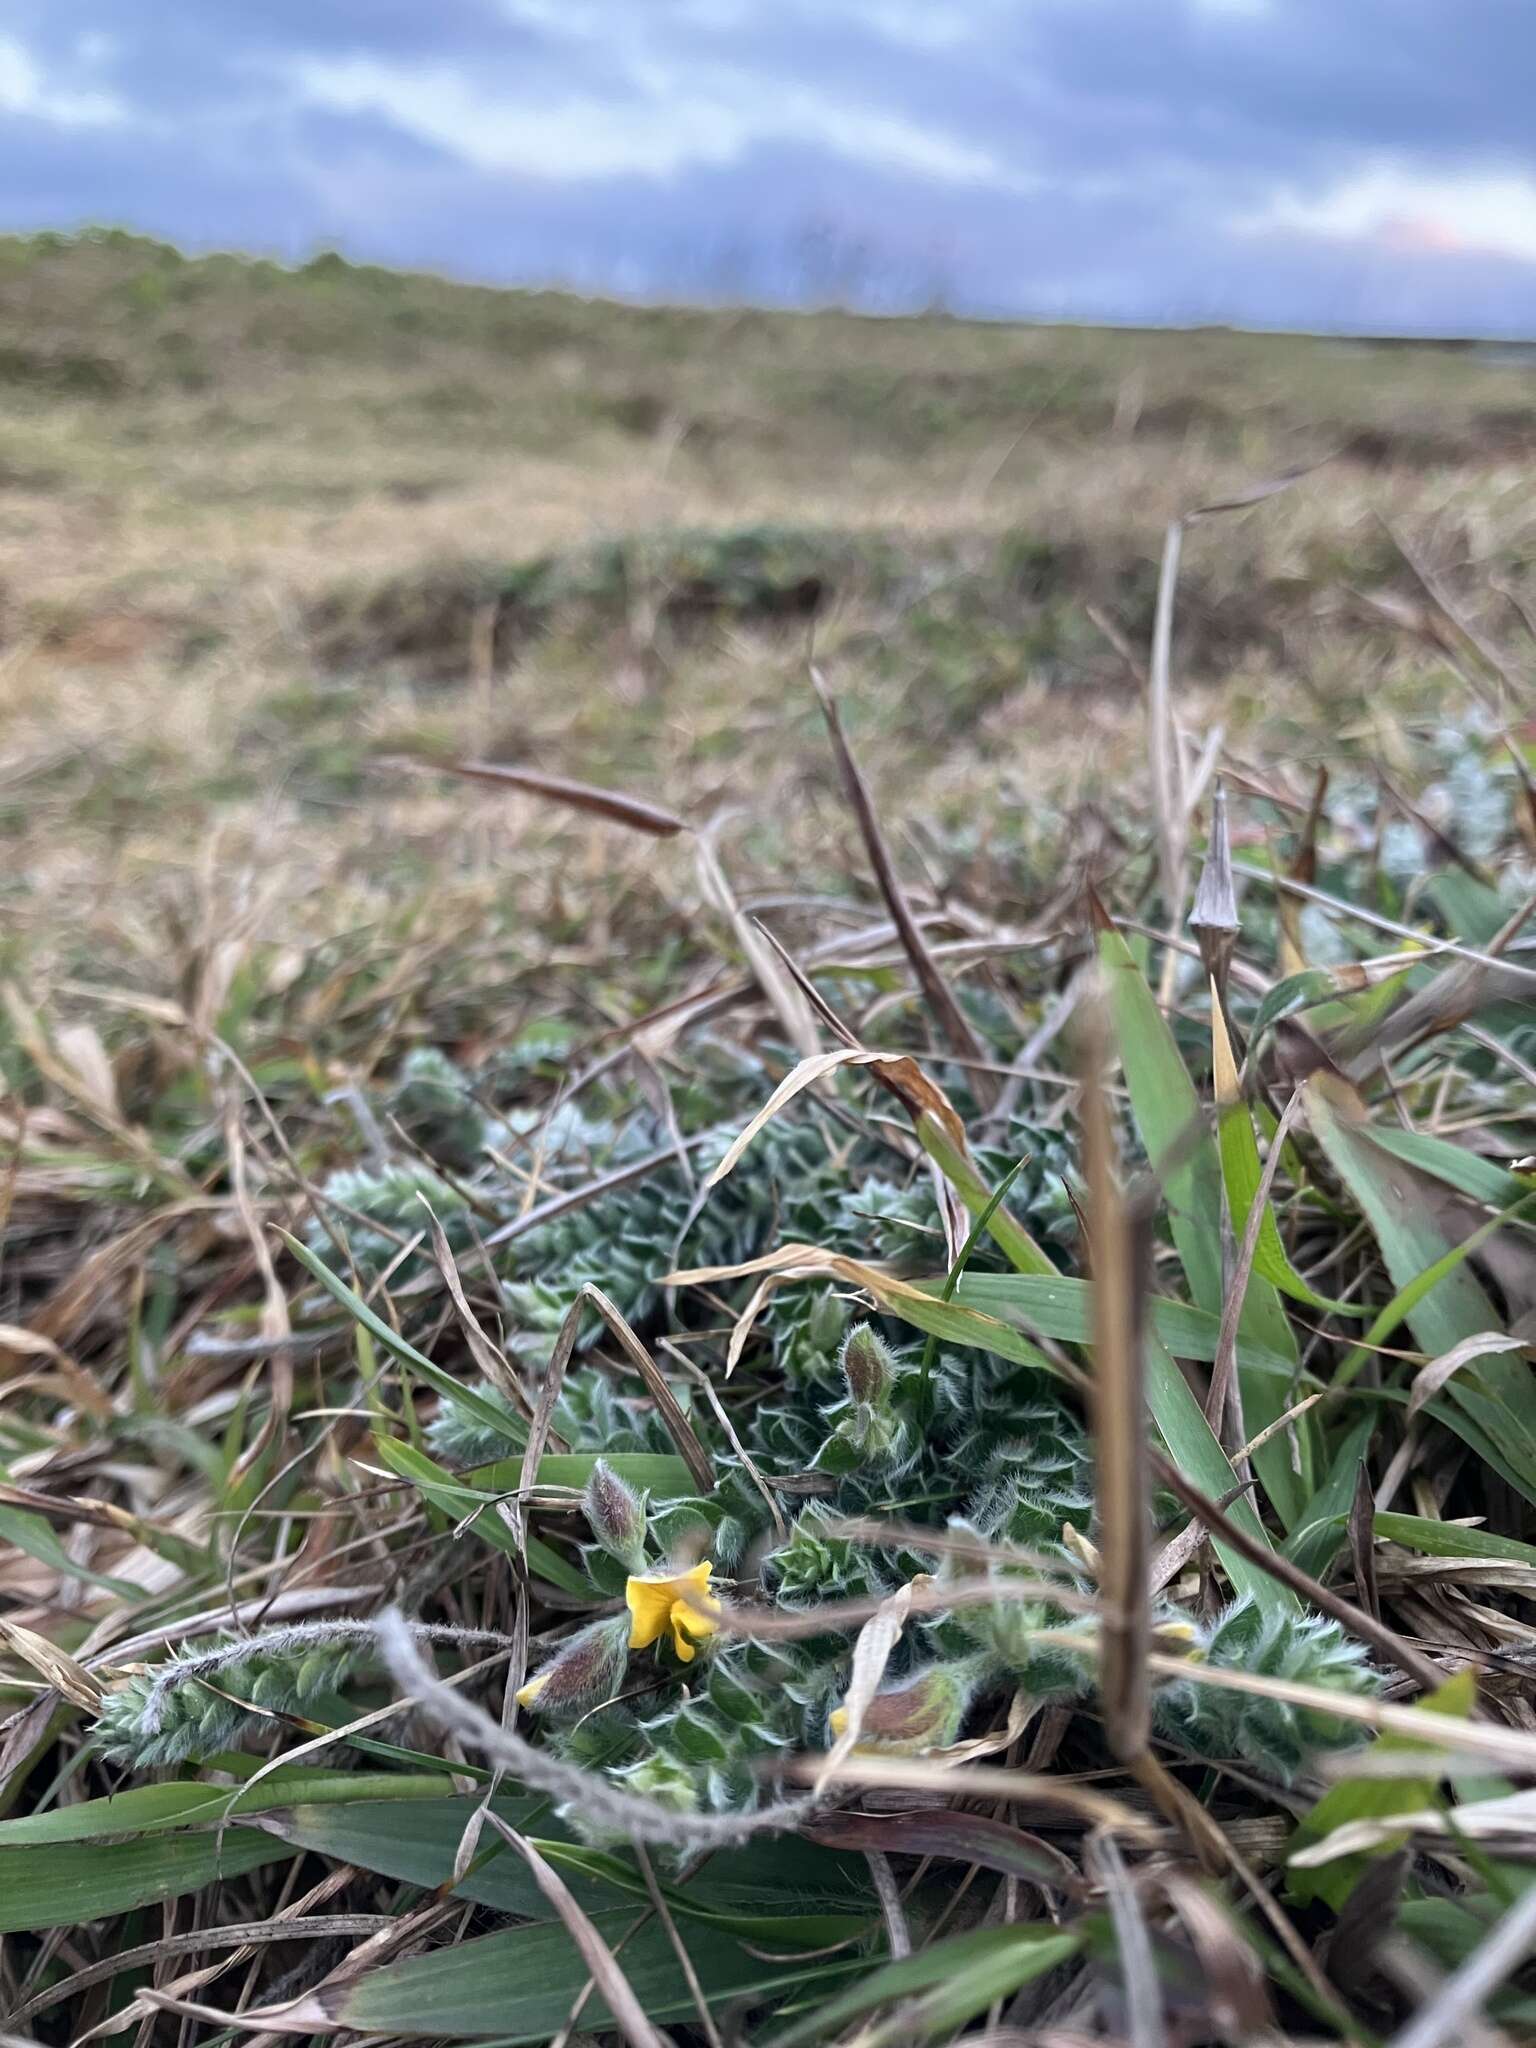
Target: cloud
[(1279, 161), (670, 117), (26, 91), (1393, 206)]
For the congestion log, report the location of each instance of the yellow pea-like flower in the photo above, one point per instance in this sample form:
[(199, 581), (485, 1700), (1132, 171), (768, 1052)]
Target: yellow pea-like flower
[(676, 1602)]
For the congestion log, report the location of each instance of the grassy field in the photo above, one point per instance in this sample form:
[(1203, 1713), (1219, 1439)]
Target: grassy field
[(372, 1243), (263, 532)]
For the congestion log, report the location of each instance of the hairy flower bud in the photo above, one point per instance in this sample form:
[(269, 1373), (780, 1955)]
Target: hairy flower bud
[(616, 1516), (923, 1712), (867, 1366), (825, 1323), (583, 1673)]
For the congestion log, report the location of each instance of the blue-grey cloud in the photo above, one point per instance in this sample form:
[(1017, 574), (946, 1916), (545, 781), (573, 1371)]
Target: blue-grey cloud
[(1278, 161)]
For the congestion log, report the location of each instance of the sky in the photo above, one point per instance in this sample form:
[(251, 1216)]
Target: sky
[(1341, 164)]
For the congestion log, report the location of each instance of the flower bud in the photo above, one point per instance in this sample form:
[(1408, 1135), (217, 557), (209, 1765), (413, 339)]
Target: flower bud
[(583, 1673), (616, 1516), (866, 1366), (824, 1325), (1214, 919), (923, 1712)]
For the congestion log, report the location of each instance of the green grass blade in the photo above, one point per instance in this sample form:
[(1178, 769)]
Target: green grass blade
[(65, 1884), (1437, 1294), (962, 1976), (1192, 1445), (495, 1419), (454, 1498), (1004, 1229), (1451, 1539), (1062, 1307), (1469, 1172), (1371, 1799), (1171, 1121), (658, 1473), (519, 1986), (1315, 1540), (38, 1538), (150, 1809), (1242, 1172)]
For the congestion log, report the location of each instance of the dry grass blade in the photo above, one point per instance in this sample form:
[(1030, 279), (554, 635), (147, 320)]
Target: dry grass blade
[(953, 1024), (1119, 1409), (898, 1936), (73, 1379), (514, 1513), (56, 1666), (293, 1921), (1510, 1819), (1362, 1540), (1234, 1976), (637, 813), (663, 1913), (628, 2013), (1358, 913), (949, 1832), (1456, 618), (578, 1198), (916, 1774), (242, 1936), (784, 995), (1256, 494), (936, 1597), (898, 1297), (276, 1325), (804, 1076), (679, 1428), (1133, 1944), (1169, 808), (871, 1653), (1510, 1748), (489, 1357)]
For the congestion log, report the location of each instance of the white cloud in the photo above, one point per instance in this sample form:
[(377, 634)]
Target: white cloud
[(1398, 208), (24, 90), (675, 116)]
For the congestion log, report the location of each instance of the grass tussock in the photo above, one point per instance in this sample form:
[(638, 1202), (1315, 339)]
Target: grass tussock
[(743, 1341)]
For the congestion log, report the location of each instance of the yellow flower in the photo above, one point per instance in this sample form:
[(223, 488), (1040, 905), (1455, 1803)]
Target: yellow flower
[(529, 1693), (679, 1601)]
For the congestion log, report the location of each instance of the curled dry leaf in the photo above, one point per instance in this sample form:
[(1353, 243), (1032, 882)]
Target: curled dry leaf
[(1429, 1379), (898, 1071), (55, 1665)]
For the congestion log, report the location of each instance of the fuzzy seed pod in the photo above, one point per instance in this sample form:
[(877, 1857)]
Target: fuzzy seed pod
[(867, 1366), (617, 1516), (923, 1712), (583, 1673)]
